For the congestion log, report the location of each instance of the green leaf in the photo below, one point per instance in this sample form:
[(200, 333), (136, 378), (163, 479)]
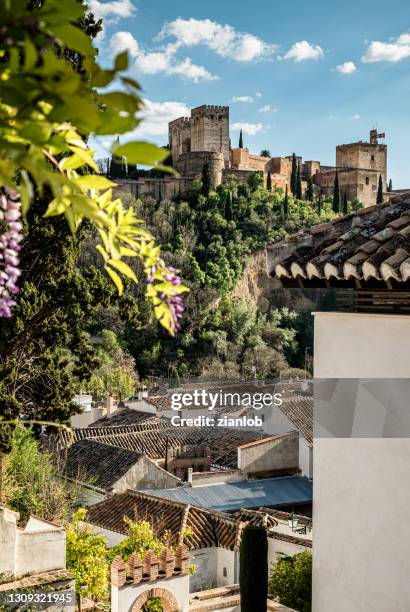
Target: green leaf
[(73, 38), (93, 181), (141, 153), (30, 55), (116, 279), (121, 61), (26, 192), (124, 268)]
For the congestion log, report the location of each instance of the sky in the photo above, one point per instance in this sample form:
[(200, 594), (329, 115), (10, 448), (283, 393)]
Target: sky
[(298, 76)]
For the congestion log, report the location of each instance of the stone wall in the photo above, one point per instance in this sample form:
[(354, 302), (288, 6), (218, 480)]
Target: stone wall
[(360, 184), (179, 136), (192, 164), (159, 189), (210, 130)]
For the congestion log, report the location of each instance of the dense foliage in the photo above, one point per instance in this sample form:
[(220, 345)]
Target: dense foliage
[(291, 581), (30, 481), (253, 576), (86, 558), (211, 239)]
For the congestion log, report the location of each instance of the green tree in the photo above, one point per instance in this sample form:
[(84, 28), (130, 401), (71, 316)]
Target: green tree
[(140, 538), (309, 190), (206, 179), (319, 202), (345, 203), (336, 194), (380, 196), (240, 144), (229, 205), (286, 203), (253, 577), (255, 181), (291, 581), (269, 181), (118, 166), (294, 176), (298, 183), (265, 153), (390, 186), (153, 605), (86, 558), (31, 483)]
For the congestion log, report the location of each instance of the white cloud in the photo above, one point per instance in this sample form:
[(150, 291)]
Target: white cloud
[(393, 51), (302, 51), (258, 94), (157, 115), (161, 61), (268, 108), (355, 117), (114, 11), (346, 68), (242, 99), (223, 39), (248, 128)]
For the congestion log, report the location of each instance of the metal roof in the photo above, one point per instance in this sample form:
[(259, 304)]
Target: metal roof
[(271, 492)]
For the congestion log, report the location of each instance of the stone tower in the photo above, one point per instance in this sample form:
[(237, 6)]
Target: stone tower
[(365, 156), (179, 137), (210, 130)]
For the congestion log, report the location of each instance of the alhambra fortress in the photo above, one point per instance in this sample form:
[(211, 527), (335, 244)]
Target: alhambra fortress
[(204, 137)]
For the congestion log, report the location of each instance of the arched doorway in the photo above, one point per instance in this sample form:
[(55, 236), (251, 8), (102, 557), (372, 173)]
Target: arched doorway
[(168, 599)]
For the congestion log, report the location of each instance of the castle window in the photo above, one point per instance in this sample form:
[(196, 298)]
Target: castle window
[(372, 158), (212, 117), (367, 180), (220, 117)]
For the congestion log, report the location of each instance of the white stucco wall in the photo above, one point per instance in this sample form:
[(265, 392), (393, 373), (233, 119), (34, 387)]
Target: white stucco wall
[(305, 457), (39, 547), (361, 495), (278, 547), (123, 598), (215, 567)]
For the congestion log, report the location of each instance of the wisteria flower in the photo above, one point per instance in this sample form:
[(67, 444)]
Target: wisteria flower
[(10, 245)]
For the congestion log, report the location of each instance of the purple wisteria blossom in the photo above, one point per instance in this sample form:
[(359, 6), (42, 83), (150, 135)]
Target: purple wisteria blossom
[(175, 303), (10, 239)]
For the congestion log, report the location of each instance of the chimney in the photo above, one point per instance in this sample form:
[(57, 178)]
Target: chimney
[(190, 472)]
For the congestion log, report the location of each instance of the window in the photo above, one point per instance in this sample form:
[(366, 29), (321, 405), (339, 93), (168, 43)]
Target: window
[(372, 158), (367, 180), (225, 573)]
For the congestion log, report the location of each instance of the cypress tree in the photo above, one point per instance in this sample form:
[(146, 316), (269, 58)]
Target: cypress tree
[(345, 203), (309, 189), (298, 183), (286, 204), (241, 140), (253, 579), (269, 182), (319, 203), (390, 186), (228, 205), (380, 196), (206, 179), (293, 176), (118, 166), (336, 194)]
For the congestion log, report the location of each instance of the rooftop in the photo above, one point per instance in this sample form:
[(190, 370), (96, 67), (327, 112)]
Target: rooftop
[(125, 416), (152, 437), (369, 248), (97, 463), (225, 497), (299, 410)]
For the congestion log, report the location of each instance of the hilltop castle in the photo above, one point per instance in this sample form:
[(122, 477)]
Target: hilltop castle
[(204, 137)]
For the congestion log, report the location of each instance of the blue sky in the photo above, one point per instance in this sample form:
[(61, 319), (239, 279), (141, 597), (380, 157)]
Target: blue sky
[(298, 76)]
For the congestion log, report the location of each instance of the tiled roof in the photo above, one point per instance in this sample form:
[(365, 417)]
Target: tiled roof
[(299, 410), (208, 528), (126, 416), (98, 464), (152, 438), (372, 244)]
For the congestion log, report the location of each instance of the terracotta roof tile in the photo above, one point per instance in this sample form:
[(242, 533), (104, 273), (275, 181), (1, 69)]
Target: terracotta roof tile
[(369, 244)]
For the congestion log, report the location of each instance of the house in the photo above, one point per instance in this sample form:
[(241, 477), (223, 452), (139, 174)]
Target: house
[(361, 367), (20, 569), (214, 537), (295, 412), (103, 469)]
